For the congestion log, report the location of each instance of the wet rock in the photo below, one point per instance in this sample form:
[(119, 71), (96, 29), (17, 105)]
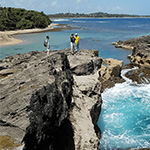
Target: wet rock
[(141, 75)]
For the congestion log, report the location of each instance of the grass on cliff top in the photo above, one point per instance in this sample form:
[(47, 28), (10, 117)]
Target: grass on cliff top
[(6, 142)]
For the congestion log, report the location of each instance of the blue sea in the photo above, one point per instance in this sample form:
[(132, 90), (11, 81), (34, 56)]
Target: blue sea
[(95, 33), (125, 117)]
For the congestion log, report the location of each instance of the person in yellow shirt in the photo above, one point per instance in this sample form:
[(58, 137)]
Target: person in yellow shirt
[(77, 39)]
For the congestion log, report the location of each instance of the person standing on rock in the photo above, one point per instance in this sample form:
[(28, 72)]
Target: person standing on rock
[(47, 44), (72, 43), (77, 39)]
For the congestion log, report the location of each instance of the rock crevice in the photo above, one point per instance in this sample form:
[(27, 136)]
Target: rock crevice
[(51, 100)]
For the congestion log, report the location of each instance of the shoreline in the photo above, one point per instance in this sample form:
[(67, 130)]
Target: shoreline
[(6, 37), (98, 17)]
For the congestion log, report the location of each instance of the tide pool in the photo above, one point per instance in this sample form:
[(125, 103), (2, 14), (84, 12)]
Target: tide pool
[(125, 117)]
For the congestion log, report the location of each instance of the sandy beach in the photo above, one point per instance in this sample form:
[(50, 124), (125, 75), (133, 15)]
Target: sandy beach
[(6, 37)]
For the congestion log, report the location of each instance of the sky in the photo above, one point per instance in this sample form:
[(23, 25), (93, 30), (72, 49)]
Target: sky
[(136, 7)]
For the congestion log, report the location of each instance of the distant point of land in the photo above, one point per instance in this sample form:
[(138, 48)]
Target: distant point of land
[(93, 15)]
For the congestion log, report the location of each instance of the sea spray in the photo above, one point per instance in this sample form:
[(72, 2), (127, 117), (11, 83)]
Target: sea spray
[(125, 116)]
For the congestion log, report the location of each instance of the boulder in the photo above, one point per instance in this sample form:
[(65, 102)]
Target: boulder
[(110, 73)]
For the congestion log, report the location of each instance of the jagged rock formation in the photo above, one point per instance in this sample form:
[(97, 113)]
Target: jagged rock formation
[(21, 80), (110, 73), (140, 57), (86, 93), (49, 126), (37, 93), (140, 75), (140, 50)]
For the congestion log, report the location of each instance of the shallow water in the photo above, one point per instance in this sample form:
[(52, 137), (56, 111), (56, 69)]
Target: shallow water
[(95, 33), (125, 117)]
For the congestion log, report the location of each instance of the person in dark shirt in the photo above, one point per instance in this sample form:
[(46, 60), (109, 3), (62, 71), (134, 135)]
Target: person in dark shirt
[(72, 43), (47, 45)]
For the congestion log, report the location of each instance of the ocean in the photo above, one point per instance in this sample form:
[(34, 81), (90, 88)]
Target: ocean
[(95, 33), (125, 117)]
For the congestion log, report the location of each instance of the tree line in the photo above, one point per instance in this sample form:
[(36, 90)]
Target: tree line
[(17, 18), (92, 15)]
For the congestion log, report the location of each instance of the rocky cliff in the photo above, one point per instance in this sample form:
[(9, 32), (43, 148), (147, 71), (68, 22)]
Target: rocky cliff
[(50, 102), (139, 57)]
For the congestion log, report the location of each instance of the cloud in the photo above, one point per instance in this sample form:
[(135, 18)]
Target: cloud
[(117, 8), (19, 3), (54, 3), (79, 1)]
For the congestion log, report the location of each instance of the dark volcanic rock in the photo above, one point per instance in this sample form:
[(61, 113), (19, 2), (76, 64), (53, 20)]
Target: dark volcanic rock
[(141, 75), (140, 50), (50, 110), (138, 45), (87, 68), (140, 57), (95, 112)]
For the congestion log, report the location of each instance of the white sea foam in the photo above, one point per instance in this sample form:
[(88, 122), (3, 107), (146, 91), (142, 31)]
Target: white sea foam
[(103, 21), (123, 72), (60, 20), (125, 116), (79, 21)]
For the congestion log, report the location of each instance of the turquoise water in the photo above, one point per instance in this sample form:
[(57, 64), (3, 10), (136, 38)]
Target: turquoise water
[(90, 32), (34, 42), (125, 117)]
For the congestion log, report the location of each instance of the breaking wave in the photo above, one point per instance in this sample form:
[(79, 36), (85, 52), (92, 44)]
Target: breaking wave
[(125, 116), (60, 20)]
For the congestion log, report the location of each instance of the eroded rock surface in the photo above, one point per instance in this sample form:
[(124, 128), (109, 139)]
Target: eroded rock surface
[(49, 101), (86, 93), (139, 57), (110, 73)]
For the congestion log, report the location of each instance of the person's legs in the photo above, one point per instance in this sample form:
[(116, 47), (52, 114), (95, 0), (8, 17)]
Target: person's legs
[(48, 51), (77, 47), (72, 48)]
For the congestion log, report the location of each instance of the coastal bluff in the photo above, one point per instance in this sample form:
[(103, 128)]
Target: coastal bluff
[(50, 102)]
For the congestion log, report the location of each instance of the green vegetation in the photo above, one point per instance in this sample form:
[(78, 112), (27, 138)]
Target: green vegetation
[(92, 15), (16, 18)]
